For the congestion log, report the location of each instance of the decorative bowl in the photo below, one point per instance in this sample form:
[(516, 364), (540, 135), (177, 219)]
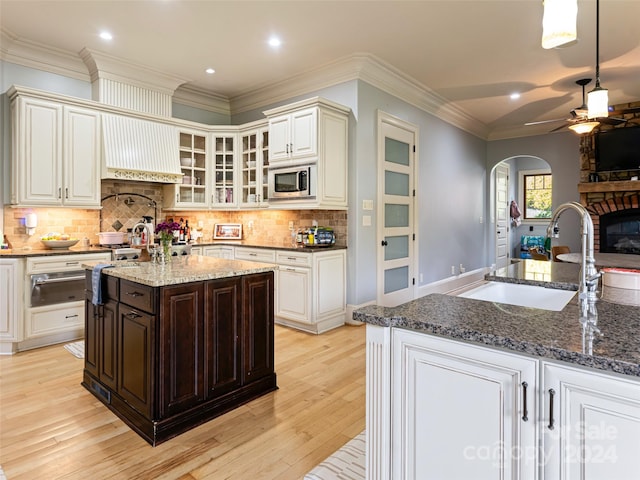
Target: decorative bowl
[(187, 162), (60, 243)]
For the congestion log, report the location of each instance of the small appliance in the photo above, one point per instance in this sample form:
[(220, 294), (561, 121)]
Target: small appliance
[(292, 182)]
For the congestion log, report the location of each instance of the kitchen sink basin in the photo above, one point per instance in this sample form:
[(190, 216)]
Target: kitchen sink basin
[(522, 295)]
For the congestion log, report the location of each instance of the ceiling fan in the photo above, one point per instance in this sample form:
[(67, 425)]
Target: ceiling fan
[(579, 115)]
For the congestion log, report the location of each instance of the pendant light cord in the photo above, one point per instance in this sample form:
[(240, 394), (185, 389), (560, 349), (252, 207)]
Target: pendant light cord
[(597, 44)]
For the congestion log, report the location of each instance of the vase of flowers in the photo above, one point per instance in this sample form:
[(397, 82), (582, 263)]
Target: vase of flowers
[(166, 231)]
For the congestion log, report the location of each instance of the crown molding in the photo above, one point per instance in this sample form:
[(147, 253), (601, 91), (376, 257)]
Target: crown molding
[(202, 99), (359, 66), (370, 69), (41, 57), (102, 65)]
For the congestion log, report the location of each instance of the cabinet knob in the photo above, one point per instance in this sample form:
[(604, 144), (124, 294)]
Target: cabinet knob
[(384, 243)]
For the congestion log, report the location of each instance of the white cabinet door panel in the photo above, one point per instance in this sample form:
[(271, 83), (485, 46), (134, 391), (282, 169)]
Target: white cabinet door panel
[(596, 425), (457, 411), (293, 301)]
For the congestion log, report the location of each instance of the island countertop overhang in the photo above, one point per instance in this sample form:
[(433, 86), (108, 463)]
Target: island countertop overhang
[(183, 269)]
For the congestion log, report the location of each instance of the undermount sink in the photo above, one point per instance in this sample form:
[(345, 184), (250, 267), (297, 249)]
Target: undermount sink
[(522, 295)]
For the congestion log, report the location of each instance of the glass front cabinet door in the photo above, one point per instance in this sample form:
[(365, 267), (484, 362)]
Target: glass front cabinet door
[(224, 170), (254, 164), (192, 192)]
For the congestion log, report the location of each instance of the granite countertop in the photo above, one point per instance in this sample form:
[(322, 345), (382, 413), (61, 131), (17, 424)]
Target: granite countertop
[(542, 333), (44, 252), (183, 269)]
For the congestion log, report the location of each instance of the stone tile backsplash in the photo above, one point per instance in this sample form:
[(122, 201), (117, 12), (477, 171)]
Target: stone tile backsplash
[(268, 226)]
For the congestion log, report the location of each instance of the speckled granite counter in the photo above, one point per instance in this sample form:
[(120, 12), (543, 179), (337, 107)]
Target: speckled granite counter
[(184, 269), (542, 333), (244, 243)]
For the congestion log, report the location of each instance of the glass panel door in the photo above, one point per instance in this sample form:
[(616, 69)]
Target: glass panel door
[(396, 279)]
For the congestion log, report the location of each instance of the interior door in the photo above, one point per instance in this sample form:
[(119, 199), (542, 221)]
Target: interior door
[(502, 215), (396, 258)]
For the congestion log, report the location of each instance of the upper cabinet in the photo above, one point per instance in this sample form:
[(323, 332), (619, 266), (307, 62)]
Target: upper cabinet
[(294, 137), (254, 165), (313, 131), (194, 162), (56, 154), (224, 169)]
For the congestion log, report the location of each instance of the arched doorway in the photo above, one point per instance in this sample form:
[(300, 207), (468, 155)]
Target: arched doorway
[(506, 186)]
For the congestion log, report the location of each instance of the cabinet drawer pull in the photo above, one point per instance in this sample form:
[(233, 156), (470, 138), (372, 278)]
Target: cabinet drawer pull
[(253, 254), (292, 258), (135, 294), (133, 315), (67, 317), (552, 393), (72, 264), (525, 413)]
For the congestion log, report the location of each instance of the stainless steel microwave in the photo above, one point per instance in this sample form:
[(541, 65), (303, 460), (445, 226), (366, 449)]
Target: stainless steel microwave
[(292, 182)]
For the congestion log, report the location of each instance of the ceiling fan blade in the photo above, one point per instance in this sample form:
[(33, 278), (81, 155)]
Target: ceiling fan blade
[(611, 120), (546, 121), (558, 128)]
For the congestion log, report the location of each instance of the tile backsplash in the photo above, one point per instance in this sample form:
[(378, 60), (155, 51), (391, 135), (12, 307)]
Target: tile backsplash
[(126, 202)]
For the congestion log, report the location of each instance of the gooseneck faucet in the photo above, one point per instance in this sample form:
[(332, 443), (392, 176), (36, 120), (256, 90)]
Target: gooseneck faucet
[(588, 273)]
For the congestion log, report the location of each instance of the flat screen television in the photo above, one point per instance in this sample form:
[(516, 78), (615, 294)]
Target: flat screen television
[(618, 149)]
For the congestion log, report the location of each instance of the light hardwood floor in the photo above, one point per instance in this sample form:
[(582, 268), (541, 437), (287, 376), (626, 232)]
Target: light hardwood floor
[(51, 427)]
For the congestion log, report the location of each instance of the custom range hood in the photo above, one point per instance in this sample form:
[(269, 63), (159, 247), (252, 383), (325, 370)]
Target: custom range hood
[(137, 149)]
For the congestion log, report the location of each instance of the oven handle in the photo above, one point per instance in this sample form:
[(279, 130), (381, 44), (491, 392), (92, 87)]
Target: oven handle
[(59, 280)]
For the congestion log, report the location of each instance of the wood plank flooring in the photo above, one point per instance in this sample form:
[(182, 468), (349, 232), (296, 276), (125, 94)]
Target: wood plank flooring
[(51, 427)]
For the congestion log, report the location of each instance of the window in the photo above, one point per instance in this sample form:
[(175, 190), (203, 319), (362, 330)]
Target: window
[(536, 189)]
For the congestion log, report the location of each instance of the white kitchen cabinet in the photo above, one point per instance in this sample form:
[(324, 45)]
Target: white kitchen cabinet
[(319, 128), (311, 289), (56, 154), (265, 255), (11, 303), (224, 169), (193, 192), (443, 408), (591, 424), (458, 411), (294, 137), (254, 165), (218, 251)]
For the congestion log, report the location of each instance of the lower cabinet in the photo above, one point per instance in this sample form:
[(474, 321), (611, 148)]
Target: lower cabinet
[(591, 425), (11, 300), (460, 411), (179, 355), (441, 408)]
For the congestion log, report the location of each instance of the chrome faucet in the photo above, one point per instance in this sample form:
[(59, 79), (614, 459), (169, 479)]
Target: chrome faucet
[(148, 227), (588, 274)]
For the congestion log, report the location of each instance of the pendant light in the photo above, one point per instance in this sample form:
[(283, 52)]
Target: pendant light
[(598, 98), (559, 22)]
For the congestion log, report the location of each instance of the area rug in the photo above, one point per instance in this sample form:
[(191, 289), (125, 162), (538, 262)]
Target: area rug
[(348, 463), (76, 348)]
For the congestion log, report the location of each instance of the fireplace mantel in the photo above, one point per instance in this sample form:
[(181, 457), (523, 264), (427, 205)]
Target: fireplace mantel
[(604, 187)]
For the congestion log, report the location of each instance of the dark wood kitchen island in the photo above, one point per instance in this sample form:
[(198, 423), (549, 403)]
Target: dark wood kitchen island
[(173, 346)]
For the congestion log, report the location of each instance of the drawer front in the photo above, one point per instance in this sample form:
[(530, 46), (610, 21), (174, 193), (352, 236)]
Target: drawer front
[(109, 287), (49, 320), (293, 258), (255, 254), (63, 263), (137, 296)]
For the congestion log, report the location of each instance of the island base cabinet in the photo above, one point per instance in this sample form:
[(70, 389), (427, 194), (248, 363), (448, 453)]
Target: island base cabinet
[(200, 350), (458, 411), (591, 425)]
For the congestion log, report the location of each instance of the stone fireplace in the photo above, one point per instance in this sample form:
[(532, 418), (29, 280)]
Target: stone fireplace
[(614, 200)]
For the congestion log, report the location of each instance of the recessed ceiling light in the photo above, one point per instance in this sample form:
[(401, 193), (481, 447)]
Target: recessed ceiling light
[(210, 70), (514, 96), (106, 36), (275, 42)]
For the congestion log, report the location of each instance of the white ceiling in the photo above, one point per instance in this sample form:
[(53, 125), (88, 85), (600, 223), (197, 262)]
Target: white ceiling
[(472, 53)]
